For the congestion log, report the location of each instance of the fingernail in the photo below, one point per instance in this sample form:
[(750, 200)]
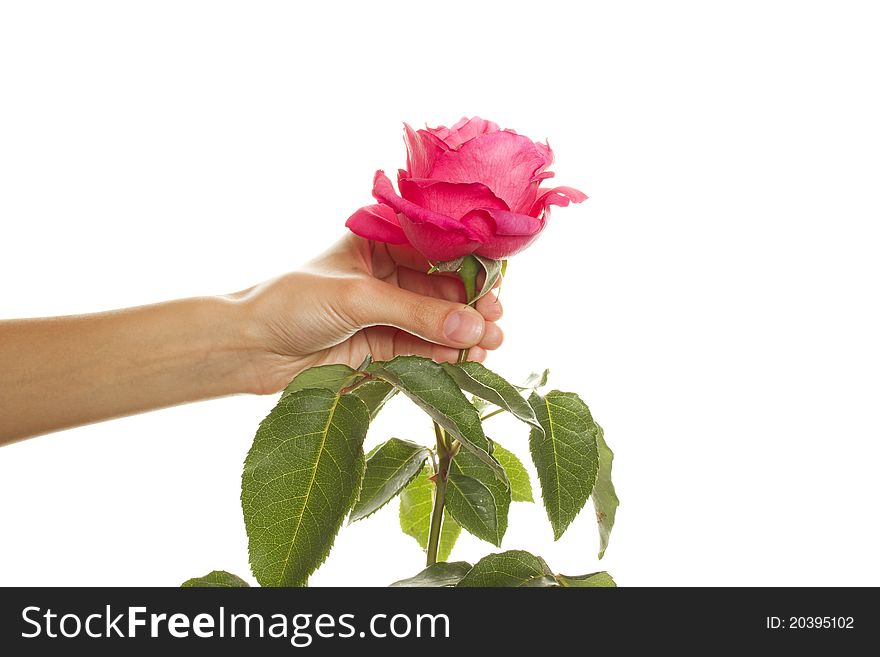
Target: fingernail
[(463, 327)]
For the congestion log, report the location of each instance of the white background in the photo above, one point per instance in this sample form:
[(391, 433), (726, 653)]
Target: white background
[(715, 301)]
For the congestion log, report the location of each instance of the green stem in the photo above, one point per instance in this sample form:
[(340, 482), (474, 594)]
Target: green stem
[(442, 471), (364, 378), (492, 414), (470, 268)]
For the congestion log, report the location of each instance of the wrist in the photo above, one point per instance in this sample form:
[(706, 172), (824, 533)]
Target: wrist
[(249, 347), (235, 344)]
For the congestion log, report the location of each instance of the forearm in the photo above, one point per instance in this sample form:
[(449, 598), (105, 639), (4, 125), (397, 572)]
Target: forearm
[(65, 371)]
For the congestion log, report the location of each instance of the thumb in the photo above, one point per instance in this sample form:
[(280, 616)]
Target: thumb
[(436, 320)]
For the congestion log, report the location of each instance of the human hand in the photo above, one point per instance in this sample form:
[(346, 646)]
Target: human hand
[(356, 299)]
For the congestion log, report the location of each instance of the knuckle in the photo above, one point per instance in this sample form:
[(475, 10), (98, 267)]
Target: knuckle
[(353, 295), (423, 313)]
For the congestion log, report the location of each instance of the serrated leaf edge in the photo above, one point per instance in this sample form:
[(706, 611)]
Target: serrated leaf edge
[(322, 557), (380, 372), (425, 451), (495, 532), (559, 530)]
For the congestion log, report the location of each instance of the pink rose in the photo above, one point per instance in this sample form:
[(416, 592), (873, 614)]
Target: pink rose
[(471, 188)]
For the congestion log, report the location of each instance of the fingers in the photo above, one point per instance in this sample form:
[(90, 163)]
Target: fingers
[(493, 336), (449, 288), (477, 354), (440, 321), (386, 343), (406, 256), (434, 285), (453, 324), (406, 344), (490, 307)]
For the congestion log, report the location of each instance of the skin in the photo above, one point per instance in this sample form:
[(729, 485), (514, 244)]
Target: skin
[(355, 299)]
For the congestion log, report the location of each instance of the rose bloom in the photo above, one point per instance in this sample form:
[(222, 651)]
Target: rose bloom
[(471, 188)]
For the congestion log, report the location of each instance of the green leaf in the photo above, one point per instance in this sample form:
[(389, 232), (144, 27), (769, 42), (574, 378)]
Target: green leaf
[(327, 377), (479, 404), (471, 503), (535, 380), (389, 469), (477, 500), (565, 455), (478, 380), (541, 582), (511, 568), (605, 500), (493, 269), (448, 266), (416, 502), (593, 580), (374, 394), (439, 574), (520, 485), (467, 268), (334, 378), (300, 479), (216, 579), (435, 392)]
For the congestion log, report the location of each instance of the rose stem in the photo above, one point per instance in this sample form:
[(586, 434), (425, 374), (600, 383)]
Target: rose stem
[(446, 449), (468, 271), (440, 474)]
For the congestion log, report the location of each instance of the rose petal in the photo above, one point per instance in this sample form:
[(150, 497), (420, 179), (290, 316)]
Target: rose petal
[(422, 149), (377, 222), (503, 246), (504, 222), (383, 191), (481, 224), (561, 196), (451, 199), (515, 223), (543, 176), (528, 199), (503, 161), (508, 232), (435, 243), (546, 151), (463, 131), (436, 236)]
